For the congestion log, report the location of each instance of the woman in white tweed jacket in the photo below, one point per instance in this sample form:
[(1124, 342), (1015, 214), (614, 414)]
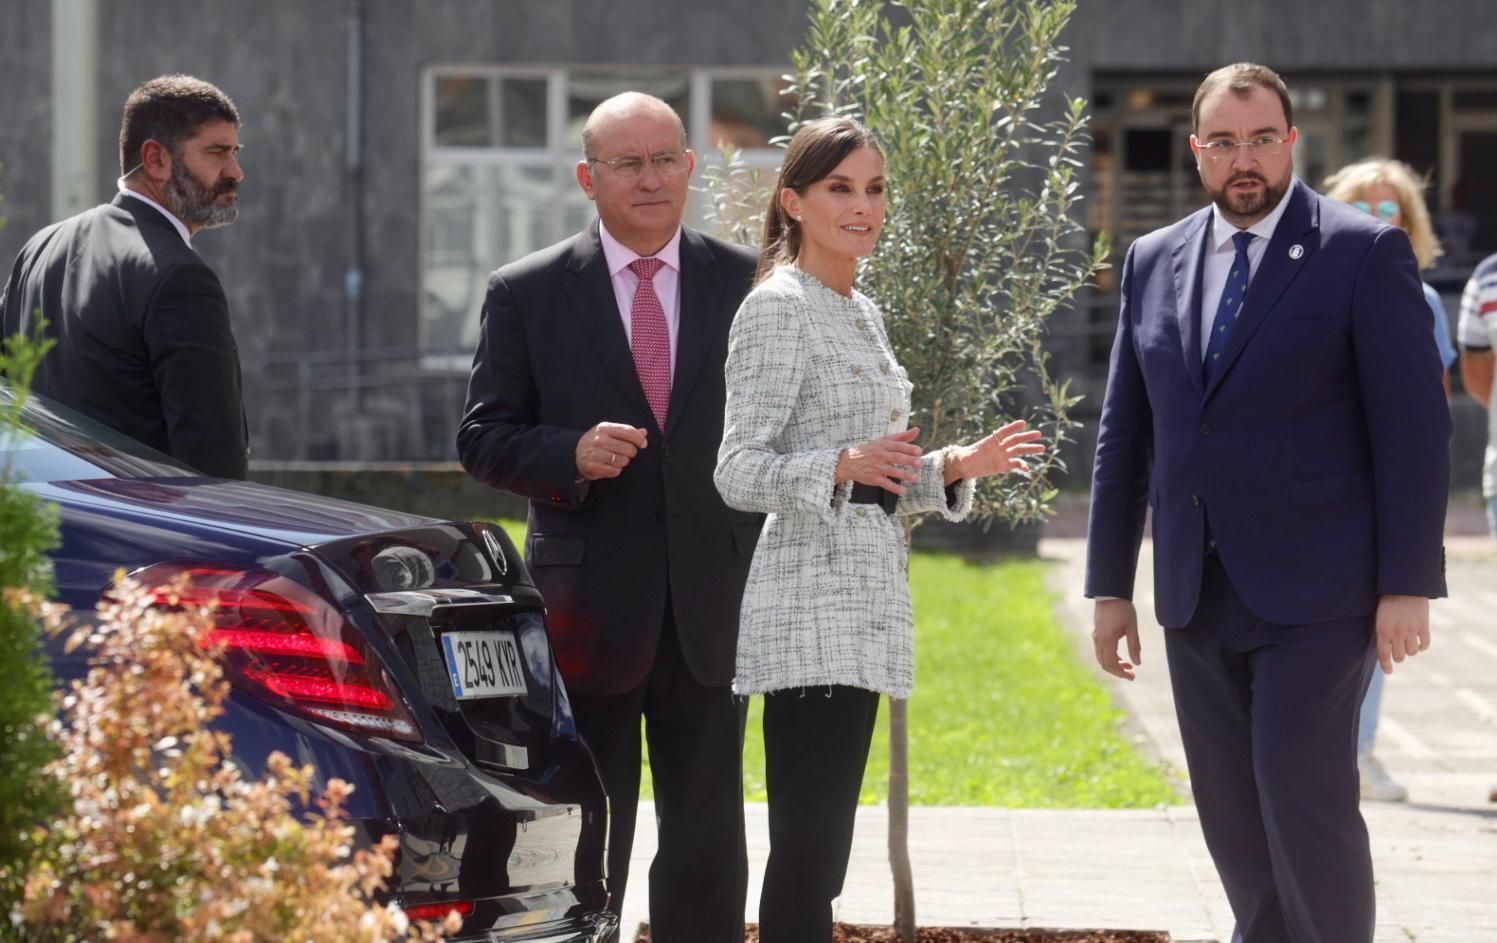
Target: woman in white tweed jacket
[(815, 436)]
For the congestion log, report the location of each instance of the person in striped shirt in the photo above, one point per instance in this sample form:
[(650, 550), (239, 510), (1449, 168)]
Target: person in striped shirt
[(1477, 333)]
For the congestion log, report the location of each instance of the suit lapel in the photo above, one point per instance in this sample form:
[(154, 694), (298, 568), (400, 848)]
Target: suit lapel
[(1290, 249), (699, 318), (1189, 257), (590, 291), (147, 217)]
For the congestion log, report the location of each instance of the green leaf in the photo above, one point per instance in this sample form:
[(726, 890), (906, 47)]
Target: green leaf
[(981, 243)]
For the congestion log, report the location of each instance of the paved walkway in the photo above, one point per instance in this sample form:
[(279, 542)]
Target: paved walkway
[(1435, 856)]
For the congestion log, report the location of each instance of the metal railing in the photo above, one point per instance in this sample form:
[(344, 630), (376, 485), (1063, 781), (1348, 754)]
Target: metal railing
[(373, 405), (403, 404)]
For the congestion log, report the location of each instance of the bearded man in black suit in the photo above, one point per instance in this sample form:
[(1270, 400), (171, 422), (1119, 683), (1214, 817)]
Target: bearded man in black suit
[(597, 392), (139, 321)]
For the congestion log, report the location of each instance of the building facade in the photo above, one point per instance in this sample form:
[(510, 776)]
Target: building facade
[(397, 151)]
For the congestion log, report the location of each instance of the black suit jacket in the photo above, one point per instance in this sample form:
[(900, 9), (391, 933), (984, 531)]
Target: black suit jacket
[(142, 334), (553, 360)]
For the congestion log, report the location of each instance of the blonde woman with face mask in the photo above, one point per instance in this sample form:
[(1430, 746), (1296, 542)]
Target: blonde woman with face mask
[(1391, 191)]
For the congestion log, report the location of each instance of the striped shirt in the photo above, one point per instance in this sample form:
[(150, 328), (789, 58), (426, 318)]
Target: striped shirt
[(1478, 331)]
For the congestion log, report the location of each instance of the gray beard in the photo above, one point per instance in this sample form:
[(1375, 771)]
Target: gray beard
[(193, 203)]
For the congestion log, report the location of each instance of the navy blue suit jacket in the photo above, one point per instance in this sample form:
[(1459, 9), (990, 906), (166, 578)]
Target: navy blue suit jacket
[(1318, 450)]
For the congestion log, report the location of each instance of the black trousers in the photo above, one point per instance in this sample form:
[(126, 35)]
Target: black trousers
[(1268, 714), (815, 748), (699, 878)]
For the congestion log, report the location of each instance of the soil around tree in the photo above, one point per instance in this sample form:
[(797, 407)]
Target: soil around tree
[(849, 933)]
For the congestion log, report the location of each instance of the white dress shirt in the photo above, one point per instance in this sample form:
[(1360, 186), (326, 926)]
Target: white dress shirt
[(667, 283), (171, 217), (1220, 253)]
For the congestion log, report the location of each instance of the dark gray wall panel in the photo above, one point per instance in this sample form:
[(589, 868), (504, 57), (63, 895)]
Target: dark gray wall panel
[(1288, 35), (25, 122), (284, 65)]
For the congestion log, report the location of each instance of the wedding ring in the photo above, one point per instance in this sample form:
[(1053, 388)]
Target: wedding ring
[(611, 457)]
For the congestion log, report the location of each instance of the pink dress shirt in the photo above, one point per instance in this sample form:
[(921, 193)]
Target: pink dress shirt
[(667, 282)]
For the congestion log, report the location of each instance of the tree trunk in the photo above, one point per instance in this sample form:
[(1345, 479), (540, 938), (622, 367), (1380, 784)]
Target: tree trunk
[(899, 820), (899, 799)]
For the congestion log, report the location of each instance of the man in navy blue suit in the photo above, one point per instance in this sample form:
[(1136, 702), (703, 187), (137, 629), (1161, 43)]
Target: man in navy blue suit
[(1275, 398)]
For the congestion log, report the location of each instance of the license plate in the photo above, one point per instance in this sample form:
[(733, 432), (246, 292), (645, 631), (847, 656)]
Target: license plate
[(483, 664)]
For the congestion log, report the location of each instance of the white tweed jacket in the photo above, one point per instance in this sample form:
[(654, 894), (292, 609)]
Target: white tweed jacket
[(809, 373)]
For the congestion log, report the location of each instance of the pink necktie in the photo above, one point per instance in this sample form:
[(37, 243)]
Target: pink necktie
[(649, 339)]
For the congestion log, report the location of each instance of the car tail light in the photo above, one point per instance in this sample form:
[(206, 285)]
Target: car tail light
[(282, 643), (439, 911)]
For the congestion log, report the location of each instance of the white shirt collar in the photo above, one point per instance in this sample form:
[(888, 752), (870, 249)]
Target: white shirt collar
[(619, 255), (171, 217), (1223, 230)]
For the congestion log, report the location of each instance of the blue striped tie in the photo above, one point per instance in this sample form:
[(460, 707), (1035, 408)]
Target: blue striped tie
[(1230, 305)]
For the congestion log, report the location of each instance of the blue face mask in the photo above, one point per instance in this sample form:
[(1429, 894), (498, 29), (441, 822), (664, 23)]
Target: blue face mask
[(1385, 210)]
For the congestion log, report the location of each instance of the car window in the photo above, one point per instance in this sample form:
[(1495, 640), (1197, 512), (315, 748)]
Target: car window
[(56, 444)]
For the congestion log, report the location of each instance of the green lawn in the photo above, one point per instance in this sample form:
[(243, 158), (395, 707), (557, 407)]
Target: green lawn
[(1004, 712)]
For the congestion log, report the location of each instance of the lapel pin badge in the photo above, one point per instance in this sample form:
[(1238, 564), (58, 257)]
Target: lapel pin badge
[(1296, 252)]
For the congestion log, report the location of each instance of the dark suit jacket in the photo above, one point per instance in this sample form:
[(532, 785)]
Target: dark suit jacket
[(553, 360), (142, 334), (1318, 451)]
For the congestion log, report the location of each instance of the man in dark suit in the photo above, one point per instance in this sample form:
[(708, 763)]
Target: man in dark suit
[(139, 321), (1275, 398), (597, 392)]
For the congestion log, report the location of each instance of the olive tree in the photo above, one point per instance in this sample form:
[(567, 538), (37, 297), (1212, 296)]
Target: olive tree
[(981, 243)]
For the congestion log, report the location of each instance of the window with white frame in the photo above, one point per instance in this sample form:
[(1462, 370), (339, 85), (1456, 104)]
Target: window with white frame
[(500, 147)]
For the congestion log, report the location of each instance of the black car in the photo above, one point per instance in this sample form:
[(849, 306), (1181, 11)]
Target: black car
[(405, 655)]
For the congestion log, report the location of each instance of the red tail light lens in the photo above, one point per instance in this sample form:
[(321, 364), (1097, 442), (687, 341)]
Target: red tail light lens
[(282, 643), (439, 911)]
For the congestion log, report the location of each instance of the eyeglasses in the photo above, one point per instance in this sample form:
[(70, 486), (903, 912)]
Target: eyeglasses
[(1386, 210), (1225, 149), (666, 164)]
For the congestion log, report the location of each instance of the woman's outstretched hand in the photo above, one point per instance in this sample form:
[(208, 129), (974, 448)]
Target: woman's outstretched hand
[(888, 463), (1001, 452)]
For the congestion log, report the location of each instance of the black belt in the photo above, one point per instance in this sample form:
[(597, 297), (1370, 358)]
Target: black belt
[(868, 494)]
